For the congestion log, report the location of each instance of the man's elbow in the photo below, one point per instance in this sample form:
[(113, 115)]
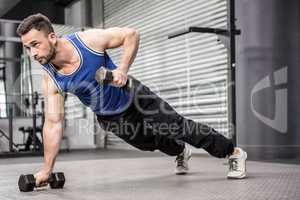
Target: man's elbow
[(133, 33), (54, 119)]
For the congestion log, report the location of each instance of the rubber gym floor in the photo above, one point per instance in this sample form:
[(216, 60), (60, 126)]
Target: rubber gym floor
[(129, 174)]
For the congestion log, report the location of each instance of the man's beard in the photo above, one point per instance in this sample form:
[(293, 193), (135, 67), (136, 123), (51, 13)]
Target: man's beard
[(50, 56)]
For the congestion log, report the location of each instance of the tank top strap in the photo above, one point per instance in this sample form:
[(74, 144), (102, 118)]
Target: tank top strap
[(52, 74)]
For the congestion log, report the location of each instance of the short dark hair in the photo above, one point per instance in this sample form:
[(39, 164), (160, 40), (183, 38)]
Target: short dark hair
[(36, 21)]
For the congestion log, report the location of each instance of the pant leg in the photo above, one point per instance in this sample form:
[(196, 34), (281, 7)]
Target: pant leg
[(163, 143), (159, 115), (130, 127)]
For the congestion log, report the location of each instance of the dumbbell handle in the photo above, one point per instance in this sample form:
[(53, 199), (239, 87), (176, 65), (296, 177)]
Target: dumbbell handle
[(104, 76), (51, 178)]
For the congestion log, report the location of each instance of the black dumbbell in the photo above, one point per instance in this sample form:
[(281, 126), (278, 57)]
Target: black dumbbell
[(104, 76), (27, 182)]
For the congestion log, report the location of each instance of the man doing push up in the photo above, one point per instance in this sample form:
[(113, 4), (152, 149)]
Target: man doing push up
[(141, 118)]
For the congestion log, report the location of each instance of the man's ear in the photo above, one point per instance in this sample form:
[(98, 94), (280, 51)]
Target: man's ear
[(52, 37)]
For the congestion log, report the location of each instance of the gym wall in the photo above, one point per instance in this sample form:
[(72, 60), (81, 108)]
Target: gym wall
[(268, 112)]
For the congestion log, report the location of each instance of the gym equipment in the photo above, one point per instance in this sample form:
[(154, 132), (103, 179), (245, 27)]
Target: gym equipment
[(104, 76), (26, 183), (12, 146), (28, 144), (32, 142)]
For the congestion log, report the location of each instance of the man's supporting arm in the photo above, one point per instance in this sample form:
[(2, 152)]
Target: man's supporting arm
[(53, 128)]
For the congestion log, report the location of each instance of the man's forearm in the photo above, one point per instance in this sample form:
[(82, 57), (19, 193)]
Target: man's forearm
[(131, 45), (52, 135)]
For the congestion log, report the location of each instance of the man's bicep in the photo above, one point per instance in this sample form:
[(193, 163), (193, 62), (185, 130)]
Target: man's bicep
[(102, 39), (114, 37), (54, 108)]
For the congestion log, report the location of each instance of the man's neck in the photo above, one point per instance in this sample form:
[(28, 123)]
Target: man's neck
[(64, 54)]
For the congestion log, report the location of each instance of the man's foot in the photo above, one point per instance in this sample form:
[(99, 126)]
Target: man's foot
[(237, 164), (182, 162)]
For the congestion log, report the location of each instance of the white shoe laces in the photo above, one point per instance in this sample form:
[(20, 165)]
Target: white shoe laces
[(234, 164)]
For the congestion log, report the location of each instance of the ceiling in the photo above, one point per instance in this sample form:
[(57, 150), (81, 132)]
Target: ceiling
[(6, 5)]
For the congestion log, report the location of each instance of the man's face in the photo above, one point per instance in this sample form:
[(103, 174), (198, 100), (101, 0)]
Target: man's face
[(40, 46)]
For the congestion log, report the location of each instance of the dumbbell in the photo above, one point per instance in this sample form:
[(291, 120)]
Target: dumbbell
[(27, 182), (104, 76)]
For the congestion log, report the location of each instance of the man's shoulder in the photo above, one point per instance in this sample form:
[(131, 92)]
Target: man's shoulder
[(89, 33), (92, 39)]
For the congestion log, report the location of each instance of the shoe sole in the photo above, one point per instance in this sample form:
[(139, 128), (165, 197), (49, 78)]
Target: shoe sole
[(237, 177), (181, 173)]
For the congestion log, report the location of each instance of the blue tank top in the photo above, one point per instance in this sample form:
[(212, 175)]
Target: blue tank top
[(103, 100)]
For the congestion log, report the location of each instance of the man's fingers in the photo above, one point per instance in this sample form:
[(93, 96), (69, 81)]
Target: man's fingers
[(125, 80), (41, 184), (40, 181), (37, 183), (119, 81)]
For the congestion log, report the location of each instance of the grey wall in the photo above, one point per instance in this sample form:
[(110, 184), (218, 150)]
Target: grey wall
[(85, 13), (74, 14), (268, 115), (12, 69), (79, 13), (97, 18)]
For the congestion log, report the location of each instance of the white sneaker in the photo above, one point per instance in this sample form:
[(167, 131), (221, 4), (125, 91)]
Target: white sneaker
[(181, 160), (237, 165)]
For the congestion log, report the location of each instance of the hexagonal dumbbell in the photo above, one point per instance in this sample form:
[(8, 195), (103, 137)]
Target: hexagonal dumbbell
[(27, 182)]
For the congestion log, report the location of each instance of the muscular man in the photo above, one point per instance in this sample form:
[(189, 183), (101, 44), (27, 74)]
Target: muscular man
[(140, 118)]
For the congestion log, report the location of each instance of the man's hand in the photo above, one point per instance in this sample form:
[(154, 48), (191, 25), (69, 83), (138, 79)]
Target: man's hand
[(41, 178), (119, 78)]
